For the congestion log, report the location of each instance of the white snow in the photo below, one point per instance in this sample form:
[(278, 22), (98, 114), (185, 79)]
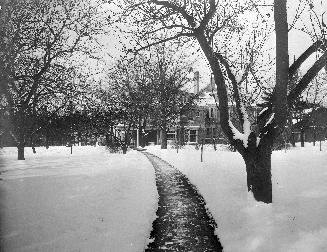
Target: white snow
[(246, 121), (258, 141), (95, 201), (246, 128), (263, 110), (88, 201), (237, 134), (239, 77), (270, 119), (295, 222)]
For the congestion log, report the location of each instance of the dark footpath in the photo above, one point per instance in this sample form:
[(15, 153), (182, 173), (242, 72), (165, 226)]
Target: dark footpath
[(183, 223)]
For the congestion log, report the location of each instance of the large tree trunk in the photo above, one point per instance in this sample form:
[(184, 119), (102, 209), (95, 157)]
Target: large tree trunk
[(258, 168), (282, 63)]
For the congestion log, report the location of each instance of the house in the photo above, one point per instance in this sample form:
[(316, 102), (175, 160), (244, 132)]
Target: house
[(199, 124), (202, 123)]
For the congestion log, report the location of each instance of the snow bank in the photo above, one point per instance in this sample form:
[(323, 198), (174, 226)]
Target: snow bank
[(88, 201), (296, 221)]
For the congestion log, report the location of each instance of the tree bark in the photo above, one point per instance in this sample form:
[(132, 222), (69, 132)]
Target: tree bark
[(164, 139), (302, 137), (182, 136), (258, 168), (21, 147), (124, 148), (292, 139), (282, 63), (46, 141)]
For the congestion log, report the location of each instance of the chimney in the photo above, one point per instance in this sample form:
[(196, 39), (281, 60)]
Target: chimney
[(196, 82)]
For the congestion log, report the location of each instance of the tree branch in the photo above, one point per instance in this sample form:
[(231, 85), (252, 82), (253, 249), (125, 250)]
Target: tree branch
[(236, 93), (208, 15), (304, 56), (307, 78), (181, 10), (163, 41)]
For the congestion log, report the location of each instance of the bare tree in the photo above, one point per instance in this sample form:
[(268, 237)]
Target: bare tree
[(203, 21), (169, 78), (38, 39), (131, 89)]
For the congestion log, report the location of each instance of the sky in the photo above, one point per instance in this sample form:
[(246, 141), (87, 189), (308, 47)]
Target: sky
[(298, 40)]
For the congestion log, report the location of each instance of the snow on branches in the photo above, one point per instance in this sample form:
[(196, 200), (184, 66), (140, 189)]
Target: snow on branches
[(270, 119), (246, 128)]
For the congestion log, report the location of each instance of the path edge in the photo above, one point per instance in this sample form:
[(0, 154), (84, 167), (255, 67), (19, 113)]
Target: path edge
[(212, 221)]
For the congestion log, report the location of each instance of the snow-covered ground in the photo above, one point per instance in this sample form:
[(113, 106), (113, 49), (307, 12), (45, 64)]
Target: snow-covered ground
[(96, 201), (295, 222), (88, 201)]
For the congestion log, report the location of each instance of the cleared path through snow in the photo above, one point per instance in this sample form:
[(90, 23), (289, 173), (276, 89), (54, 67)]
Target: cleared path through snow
[(183, 223)]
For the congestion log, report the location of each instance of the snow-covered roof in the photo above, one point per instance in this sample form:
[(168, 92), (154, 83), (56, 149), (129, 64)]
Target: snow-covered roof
[(189, 87)]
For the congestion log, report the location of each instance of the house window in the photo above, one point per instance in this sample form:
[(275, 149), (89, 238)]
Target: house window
[(171, 135), (192, 136)]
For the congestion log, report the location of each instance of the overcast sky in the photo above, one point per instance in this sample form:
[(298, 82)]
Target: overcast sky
[(298, 40)]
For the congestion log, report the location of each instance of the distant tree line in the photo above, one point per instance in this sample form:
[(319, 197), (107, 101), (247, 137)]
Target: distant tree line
[(39, 42)]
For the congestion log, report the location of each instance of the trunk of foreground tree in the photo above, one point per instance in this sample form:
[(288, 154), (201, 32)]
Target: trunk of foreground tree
[(258, 168), (163, 139)]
